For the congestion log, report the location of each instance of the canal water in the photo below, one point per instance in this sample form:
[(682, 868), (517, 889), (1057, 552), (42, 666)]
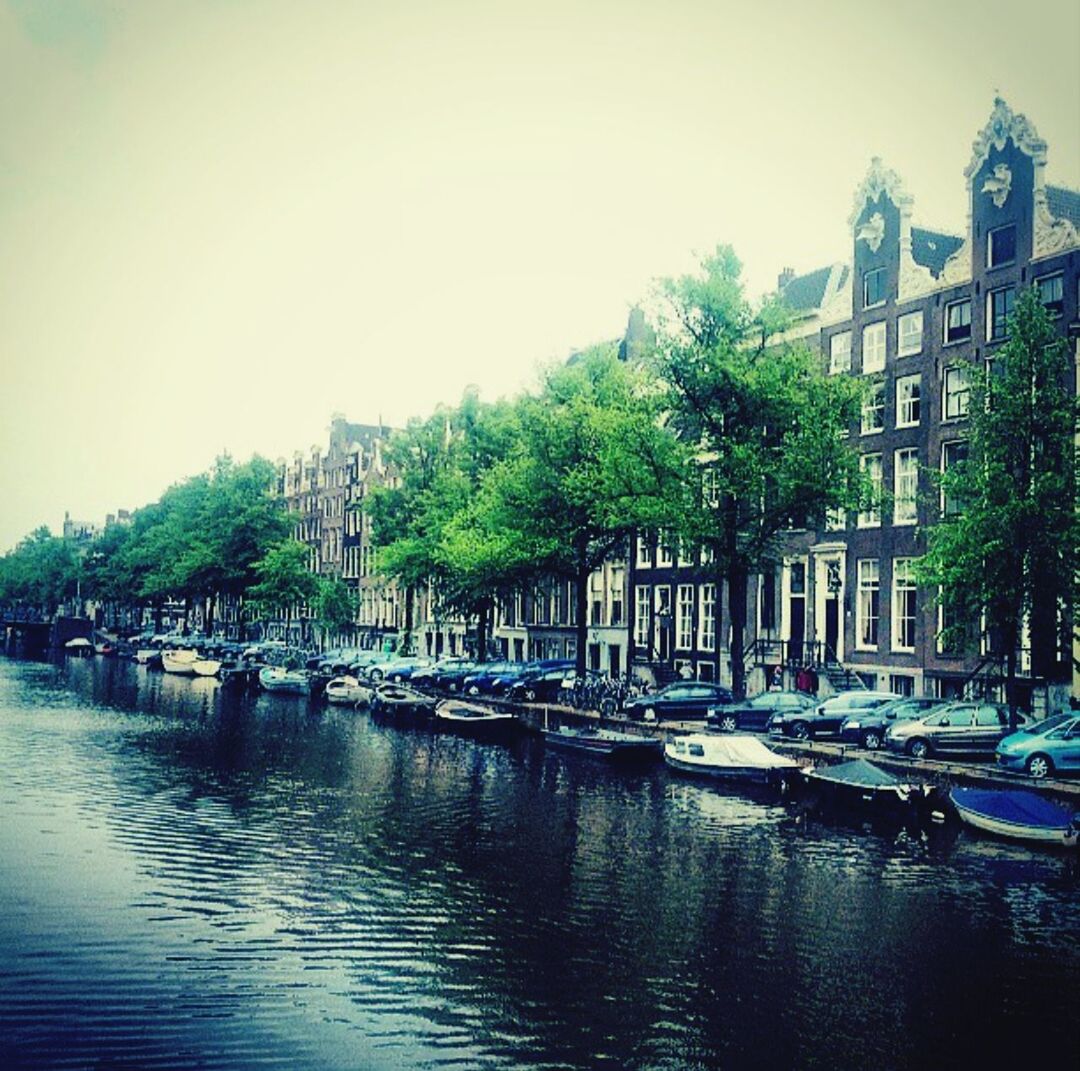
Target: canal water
[(190, 879)]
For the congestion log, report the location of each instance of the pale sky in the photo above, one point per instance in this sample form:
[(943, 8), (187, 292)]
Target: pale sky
[(222, 221)]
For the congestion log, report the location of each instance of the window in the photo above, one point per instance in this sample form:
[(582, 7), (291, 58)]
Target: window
[(903, 605), (956, 392), (840, 353), (870, 464), (873, 288), (665, 551), (948, 640), (873, 408), (686, 553), (1001, 246), (873, 347), (869, 601), (684, 637), (908, 391), (902, 683), (1052, 293), (909, 333), (644, 552), (797, 583), (835, 520), (952, 454), (616, 590), (710, 487), (905, 486), (999, 307), (958, 321), (768, 600), (707, 607), (641, 615)]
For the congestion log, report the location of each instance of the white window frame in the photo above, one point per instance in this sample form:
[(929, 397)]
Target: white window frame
[(642, 603), (945, 512), (884, 275), (872, 415), (867, 607), (840, 353), (990, 245), (906, 485), (644, 552), (665, 552), (990, 317), (871, 464), (684, 620), (955, 391), (707, 616), (908, 401), (958, 303), (909, 339), (1057, 306), (874, 337), (903, 594)]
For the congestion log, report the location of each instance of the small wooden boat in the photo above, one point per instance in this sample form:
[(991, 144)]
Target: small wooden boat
[(395, 699), (472, 719), (740, 758), (284, 681), (1018, 814), (347, 691), (607, 743), (206, 667), (181, 660)]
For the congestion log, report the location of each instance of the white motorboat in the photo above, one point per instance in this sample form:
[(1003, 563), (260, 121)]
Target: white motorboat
[(287, 681), (206, 667), (180, 660), (742, 758), (347, 691)]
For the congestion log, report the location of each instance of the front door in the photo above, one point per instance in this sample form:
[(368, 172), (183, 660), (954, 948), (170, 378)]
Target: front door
[(832, 624)]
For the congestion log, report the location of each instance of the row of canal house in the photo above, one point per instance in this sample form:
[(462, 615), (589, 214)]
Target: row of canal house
[(916, 313)]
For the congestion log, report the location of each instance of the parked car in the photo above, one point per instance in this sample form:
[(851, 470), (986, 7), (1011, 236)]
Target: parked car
[(682, 699), (446, 675), (868, 727), (483, 676), (1043, 748), (546, 685), (757, 712), (502, 683), (967, 728), (404, 668), (827, 718)]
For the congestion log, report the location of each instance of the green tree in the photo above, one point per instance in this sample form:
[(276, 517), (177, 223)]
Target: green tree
[(767, 426), (335, 605), (42, 572), (284, 580), (1009, 553)]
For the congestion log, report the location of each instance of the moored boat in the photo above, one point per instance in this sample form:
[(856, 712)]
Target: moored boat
[(861, 782), (144, 654), (347, 691), (740, 758), (206, 667), (607, 743), (474, 719), (401, 699), (1017, 814), (179, 660), (284, 681)]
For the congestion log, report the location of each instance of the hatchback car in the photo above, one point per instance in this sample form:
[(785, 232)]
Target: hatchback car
[(868, 727), (1044, 747), (963, 728), (757, 712), (683, 699), (827, 719)]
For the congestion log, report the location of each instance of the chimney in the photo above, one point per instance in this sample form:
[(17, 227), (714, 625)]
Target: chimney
[(784, 278)]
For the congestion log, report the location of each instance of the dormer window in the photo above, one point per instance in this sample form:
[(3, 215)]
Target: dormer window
[(874, 288), (1001, 246)]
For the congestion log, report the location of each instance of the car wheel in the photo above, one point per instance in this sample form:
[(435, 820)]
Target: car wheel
[(473, 690), (728, 723), (872, 740), (800, 730), (918, 748), (607, 706), (1040, 766), (375, 675)]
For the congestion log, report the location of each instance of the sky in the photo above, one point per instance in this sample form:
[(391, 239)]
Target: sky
[(224, 221)]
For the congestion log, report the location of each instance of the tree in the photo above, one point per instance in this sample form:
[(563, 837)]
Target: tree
[(768, 428), (335, 605), (1008, 555), (41, 572), (284, 580)]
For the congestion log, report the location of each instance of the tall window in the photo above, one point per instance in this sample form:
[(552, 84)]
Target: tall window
[(1052, 293), (873, 347), (874, 288), (873, 407), (952, 454), (958, 320), (710, 486), (905, 486), (903, 605), (868, 610), (908, 391), (870, 464), (768, 600), (684, 637), (707, 609), (665, 552), (999, 307), (1001, 246), (617, 580), (956, 392), (909, 333), (642, 595), (644, 552), (840, 352)]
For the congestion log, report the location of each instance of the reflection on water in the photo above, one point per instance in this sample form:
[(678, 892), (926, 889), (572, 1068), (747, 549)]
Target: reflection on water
[(195, 879)]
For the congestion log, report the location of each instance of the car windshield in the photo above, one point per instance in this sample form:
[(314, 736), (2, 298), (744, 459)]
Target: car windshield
[(1047, 725)]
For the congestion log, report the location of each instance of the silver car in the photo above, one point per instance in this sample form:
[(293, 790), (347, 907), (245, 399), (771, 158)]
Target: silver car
[(963, 728)]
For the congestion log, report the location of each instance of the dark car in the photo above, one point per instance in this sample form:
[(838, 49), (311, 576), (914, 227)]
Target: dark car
[(502, 683), (480, 680), (966, 728), (867, 727), (756, 713), (445, 676), (543, 685), (826, 719), (683, 699)]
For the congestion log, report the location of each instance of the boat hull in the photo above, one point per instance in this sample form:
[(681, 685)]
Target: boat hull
[(284, 682), (1064, 835), (181, 663), (755, 775), (603, 747)]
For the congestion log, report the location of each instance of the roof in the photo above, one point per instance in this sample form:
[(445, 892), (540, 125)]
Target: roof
[(806, 292), (931, 249), (1064, 204)]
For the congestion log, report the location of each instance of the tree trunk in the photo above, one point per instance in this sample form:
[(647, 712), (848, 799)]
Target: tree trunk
[(483, 623), (581, 589), (210, 615), (737, 589), (406, 642)]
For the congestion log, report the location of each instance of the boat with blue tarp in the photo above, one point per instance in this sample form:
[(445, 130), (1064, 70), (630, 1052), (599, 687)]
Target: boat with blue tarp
[(1018, 814)]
